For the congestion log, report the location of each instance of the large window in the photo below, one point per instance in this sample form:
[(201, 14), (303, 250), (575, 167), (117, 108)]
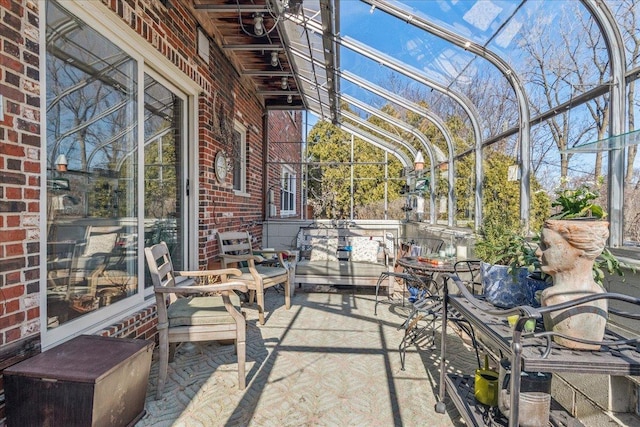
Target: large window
[(239, 158), (103, 202), (288, 192)]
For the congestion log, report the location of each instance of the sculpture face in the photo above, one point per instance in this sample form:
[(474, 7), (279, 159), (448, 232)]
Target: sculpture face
[(556, 254)]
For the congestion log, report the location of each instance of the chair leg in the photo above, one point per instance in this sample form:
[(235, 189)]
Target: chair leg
[(241, 350), (287, 294), (172, 350), (252, 295), (163, 363), (260, 298)]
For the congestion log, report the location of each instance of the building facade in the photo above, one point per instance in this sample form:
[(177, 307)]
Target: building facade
[(122, 124)]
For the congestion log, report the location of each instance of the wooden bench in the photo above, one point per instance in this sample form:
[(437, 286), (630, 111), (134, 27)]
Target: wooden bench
[(343, 256)]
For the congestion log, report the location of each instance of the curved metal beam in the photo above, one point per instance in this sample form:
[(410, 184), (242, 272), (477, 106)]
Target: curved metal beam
[(432, 152), (615, 48), (506, 70), (419, 76), (384, 145), (437, 121)]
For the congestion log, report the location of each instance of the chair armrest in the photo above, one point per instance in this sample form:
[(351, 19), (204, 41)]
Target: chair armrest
[(205, 273), (251, 259), (188, 290)]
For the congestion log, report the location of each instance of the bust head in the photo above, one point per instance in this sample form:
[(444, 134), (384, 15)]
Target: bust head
[(566, 245)]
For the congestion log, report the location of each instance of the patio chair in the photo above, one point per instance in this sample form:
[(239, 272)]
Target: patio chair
[(191, 311), (236, 251)]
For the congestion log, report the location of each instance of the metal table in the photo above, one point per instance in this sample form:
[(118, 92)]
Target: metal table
[(534, 351)]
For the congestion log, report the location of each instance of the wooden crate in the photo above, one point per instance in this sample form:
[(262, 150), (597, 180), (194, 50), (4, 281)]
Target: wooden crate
[(87, 381)]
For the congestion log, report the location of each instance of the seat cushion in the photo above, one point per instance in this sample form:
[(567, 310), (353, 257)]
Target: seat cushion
[(363, 249), (339, 268), (264, 271), (201, 311)]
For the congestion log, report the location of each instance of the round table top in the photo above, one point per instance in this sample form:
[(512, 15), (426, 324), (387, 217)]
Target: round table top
[(429, 265)]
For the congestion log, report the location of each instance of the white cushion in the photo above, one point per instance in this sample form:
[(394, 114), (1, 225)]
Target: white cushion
[(324, 249), (364, 249)]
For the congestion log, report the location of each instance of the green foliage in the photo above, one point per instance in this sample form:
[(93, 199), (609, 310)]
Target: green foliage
[(502, 243), (329, 184), (578, 202)]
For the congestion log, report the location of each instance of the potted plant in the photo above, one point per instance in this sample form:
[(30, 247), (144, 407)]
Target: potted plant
[(508, 259), (572, 251)]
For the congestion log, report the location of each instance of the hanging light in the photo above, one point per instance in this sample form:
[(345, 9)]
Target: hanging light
[(61, 163), (289, 99), (284, 83), (274, 59), (258, 26), (418, 163)]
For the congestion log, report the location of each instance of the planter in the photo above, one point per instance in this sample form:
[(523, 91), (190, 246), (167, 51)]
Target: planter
[(569, 250), (535, 284), (503, 288)]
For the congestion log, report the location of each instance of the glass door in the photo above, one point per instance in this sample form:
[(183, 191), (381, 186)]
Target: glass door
[(164, 169)]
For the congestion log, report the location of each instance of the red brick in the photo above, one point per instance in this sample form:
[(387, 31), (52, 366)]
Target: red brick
[(13, 221), (13, 236), (12, 306), (11, 292), (13, 193), (14, 250), (33, 313), (10, 320)]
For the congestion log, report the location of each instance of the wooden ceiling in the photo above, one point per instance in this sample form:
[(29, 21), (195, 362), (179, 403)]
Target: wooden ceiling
[(232, 23)]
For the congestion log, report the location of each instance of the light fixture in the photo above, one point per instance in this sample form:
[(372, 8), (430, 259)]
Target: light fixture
[(258, 27), (274, 59), (289, 99), (284, 83), (61, 163), (418, 163)]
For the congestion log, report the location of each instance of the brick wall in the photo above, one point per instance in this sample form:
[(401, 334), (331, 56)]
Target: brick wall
[(285, 140), (226, 97)]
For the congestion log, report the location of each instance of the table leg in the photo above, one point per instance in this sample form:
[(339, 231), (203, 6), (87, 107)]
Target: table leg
[(440, 406)]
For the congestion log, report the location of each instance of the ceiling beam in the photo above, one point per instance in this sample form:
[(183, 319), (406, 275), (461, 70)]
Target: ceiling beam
[(226, 8), (255, 46)]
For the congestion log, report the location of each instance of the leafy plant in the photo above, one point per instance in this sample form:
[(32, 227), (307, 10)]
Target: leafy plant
[(501, 243), (578, 202)]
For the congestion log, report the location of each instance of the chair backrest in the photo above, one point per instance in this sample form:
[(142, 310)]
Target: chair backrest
[(235, 243), (468, 271)]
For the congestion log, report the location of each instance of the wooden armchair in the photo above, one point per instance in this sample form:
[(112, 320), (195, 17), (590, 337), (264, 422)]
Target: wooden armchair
[(235, 250), (192, 312)]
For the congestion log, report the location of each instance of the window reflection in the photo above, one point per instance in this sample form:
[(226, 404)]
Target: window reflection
[(162, 171), (91, 199)]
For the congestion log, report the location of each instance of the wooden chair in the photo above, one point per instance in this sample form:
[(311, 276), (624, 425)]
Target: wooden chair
[(189, 311), (236, 250)]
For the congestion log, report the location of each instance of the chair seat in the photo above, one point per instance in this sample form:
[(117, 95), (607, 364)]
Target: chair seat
[(201, 311), (264, 272)]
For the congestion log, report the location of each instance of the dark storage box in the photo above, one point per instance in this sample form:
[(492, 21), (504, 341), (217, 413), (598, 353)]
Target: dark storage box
[(87, 381)]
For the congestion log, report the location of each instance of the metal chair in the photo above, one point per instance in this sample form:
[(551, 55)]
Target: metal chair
[(429, 308), (195, 313)]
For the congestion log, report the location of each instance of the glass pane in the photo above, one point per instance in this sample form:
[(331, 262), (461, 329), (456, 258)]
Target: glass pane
[(91, 169), (163, 177)]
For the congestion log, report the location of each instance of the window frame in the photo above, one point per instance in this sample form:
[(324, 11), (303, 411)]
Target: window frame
[(239, 159), (289, 190), (105, 22)]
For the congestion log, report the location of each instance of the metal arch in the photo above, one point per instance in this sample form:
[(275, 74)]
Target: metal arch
[(417, 75), (372, 139), (428, 146), (436, 120), (412, 150), (384, 145), (464, 102), (505, 69), (615, 47)]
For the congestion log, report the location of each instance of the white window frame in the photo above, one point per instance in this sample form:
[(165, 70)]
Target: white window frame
[(288, 190), (240, 159), (104, 21)]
